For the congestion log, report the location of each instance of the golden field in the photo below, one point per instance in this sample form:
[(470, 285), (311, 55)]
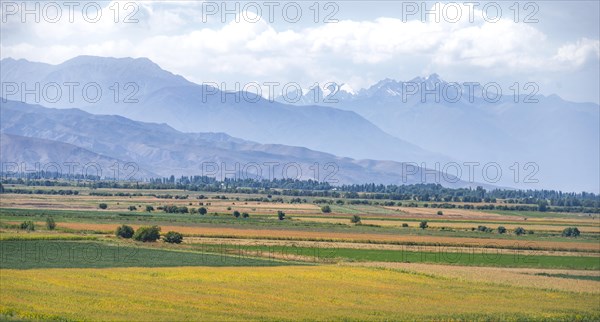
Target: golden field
[(275, 293)]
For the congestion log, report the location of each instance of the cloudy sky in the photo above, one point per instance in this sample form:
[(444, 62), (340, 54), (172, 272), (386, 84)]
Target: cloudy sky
[(553, 43)]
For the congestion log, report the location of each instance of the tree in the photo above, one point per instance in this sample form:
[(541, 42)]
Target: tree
[(355, 219), (423, 225), (27, 225), (173, 237), (202, 211), (147, 234), (571, 232), (245, 215), (132, 208), (440, 213), (149, 208), (236, 214), (326, 209), (501, 230), (543, 205), (404, 225), (103, 206), (124, 231), (280, 215), (50, 224), (519, 231)]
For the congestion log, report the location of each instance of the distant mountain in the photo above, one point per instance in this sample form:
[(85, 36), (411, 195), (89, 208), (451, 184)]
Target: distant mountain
[(561, 139), (20, 154), (163, 97), (35, 133)]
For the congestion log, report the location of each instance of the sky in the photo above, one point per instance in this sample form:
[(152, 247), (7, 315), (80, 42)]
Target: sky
[(555, 44)]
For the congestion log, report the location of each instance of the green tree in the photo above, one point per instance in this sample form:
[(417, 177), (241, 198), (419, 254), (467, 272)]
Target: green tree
[(571, 232), (132, 208), (27, 225), (440, 213), (501, 230), (326, 209), (355, 219), (173, 237), (202, 211), (50, 224), (147, 234), (149, 208), (405, 225), (236, 214), (280, 215), (124, 231), (103, 206), (423, 224), (519, 231), (245, 215)]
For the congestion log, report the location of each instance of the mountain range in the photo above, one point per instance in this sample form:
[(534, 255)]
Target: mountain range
[(553, 141)]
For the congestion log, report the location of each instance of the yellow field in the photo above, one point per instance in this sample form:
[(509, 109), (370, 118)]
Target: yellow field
[(274, 293)]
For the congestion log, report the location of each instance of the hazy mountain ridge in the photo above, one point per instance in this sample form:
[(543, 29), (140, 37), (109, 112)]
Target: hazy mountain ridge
[(160, 149), (167, 98)]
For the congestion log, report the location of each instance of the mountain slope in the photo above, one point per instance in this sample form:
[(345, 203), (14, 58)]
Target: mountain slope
[(160, 149), (155, 95)]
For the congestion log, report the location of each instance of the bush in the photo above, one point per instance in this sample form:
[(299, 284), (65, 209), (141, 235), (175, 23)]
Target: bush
[(571, 232), (124, 231), (173, 237), (245, 215), (147, 234), (202, 211), (501, 230), (519, 231), (423, 225), (326, 209), (149, 208), (236, 214), (27, 225), (280, 215), (103, 206), (355, 219), (50, 224), (405, 225), (132, 208), (440, 213)]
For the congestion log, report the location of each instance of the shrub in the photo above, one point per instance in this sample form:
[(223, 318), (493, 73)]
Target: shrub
[(202, 211), (501, 230), (355, 219), (149, 208), (326, 209), (124, 231), (27, 225), (147, 234), (519, 231), (228, 208), (423, 225), (405, 225), (236, 214), (440, 213), (571, 232), (103, 206), (173, 237), (280, 215), (245, 215), (50, 224), (132, 208)]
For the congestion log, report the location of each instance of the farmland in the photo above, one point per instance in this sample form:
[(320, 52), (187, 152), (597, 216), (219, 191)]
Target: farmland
[(265, 266)]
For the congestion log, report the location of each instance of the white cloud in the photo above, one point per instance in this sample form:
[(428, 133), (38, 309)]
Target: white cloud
[(349, 51)]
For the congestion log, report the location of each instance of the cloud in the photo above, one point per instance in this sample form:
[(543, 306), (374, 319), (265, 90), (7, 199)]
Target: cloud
[(348, 51)]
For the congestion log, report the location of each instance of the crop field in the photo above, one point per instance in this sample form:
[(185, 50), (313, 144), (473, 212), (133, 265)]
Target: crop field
[(308, 265)]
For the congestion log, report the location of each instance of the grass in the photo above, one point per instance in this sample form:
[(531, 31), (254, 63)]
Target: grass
[(276, 293), (492, 258), (32, 254)]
